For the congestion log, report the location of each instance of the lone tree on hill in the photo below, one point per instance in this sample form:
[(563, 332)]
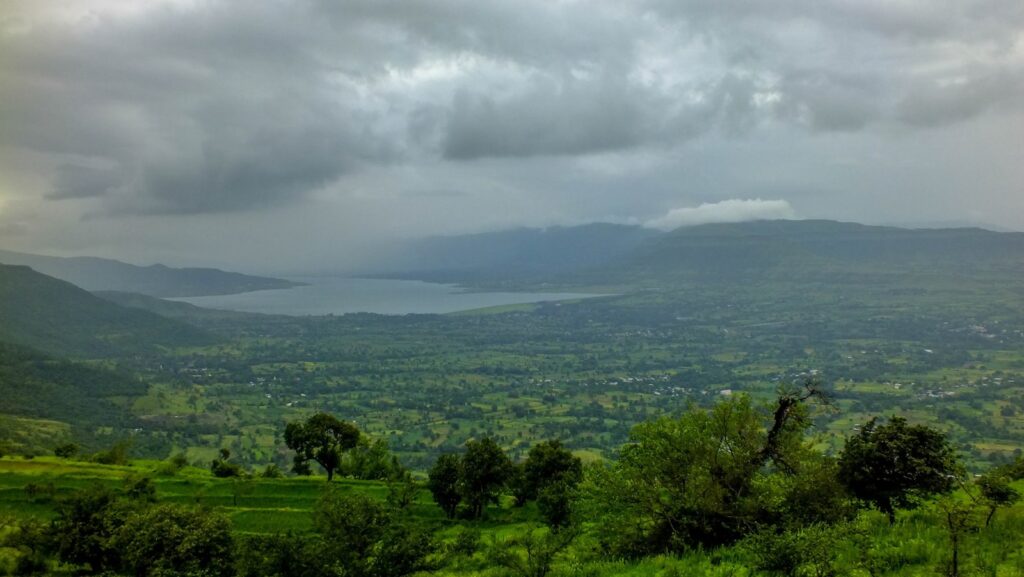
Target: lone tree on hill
[(893, 465), (321, 438)]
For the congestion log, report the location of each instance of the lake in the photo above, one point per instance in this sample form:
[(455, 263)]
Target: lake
[(340, 295)]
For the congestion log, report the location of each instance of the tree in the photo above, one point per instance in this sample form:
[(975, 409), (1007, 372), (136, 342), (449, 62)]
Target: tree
[(402, 492), (702, 479), (554, 502), (371, 460), (350, 525), (116, 455), (321, 438), (358, 537), (894, 465), (85, 525), (29, 541), (517, 486), (960, 521), (996, 492), (484, 470), (402, 550), (66, 451), (531, 553), (443, 482), (223, 468), (176, 540), (278, 555), (271, 471), (547, 463)]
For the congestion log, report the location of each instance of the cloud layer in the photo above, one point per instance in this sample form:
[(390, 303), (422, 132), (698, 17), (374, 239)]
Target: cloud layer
[(580, 108)]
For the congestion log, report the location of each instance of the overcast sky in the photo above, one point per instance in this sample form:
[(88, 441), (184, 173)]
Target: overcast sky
[(275, 136)]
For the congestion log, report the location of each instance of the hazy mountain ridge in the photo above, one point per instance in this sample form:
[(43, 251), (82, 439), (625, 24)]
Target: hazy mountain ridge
[(747, 250), (58, 317), (818, 247), (100, 274), (519, 253)]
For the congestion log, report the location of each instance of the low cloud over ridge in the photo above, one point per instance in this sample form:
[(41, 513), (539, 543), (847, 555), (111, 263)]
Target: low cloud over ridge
[(732, 210)]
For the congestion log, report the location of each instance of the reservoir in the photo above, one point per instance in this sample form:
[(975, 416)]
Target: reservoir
[(340, 295)]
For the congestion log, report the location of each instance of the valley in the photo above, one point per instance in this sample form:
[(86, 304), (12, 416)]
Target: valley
[(938, 347)]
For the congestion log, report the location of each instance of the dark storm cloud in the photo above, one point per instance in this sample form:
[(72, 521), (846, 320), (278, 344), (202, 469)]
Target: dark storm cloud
[(215, 107), (553, 117), (200, 111)]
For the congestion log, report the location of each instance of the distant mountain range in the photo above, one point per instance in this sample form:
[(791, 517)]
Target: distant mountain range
[(57, 317), (515, 254), (100, 274), (594, 255)]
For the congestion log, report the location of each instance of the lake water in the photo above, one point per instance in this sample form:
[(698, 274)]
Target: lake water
[(340, 295)]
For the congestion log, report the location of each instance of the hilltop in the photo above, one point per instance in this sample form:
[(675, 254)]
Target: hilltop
[(100, 274)]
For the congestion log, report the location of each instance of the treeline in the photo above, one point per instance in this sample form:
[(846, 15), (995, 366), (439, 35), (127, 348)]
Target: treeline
[(735, 477)]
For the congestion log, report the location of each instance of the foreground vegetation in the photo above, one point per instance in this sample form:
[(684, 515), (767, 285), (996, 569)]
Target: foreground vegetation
[(735, 490)]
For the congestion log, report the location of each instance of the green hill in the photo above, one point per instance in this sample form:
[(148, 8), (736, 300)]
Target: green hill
[(39, 387), (96, 274), (57, 317)]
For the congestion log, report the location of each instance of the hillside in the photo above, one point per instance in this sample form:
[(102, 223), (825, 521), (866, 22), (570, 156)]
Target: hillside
[(177, 310), (96, 274), (36, 386), (57, 317)]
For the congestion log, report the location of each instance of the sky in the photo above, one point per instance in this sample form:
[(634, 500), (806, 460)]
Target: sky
[(304, 135)]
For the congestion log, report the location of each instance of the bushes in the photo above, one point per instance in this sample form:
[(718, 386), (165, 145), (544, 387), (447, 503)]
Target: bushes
[(125, 532), (175, 540), (66, 451), (28, 543), (280, 555), (172, 466), (811, 550), (354, 536), (115, 455), (221, 467)]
